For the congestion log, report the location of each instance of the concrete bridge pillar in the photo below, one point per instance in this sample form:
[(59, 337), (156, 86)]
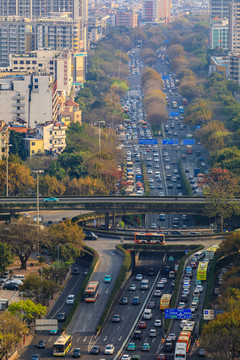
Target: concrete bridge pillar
[(113, 218), (106, 220), (143, 221)]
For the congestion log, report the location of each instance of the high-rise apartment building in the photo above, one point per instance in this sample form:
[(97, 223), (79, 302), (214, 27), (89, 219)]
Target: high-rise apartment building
[(234, 30), (20, 36), (156, 10), (219, 8), (127, 18)]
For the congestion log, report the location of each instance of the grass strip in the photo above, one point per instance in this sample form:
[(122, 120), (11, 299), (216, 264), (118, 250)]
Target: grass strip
[(145, 179), (186, 183)]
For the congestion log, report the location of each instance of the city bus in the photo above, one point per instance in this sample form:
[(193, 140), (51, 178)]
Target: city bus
[(180, 351), (149, 238), (91, 291), (202, 271), (62, 345), (165, 301), (181, 109)]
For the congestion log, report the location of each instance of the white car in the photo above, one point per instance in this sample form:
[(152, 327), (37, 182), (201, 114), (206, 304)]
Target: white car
[(126, 357), (158, 322), (109, 349), (153, 226), (70, 299), (139, 277), (153, 333), (200, 288), (163, 280)]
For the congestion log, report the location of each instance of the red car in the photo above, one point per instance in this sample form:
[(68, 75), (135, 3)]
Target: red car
[(142, 325), (193, 264), (161, 357)]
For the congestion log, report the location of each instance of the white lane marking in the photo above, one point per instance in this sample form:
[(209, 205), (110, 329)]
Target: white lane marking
[(105, 338), (118, 327), (120, 338), (50, 339), (106, 291), (89, 316), (78, 339), (84, 327), (85, 339)]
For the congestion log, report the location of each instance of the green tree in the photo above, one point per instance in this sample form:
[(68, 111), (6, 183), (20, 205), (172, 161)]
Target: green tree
[(22, 236), (11, 332), (27, 310), (5, 256), (221, 337), (15, 139), (222, 189), (40, 290)]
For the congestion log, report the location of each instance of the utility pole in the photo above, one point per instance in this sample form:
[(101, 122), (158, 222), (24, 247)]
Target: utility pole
[(7, 150), (37, 243)]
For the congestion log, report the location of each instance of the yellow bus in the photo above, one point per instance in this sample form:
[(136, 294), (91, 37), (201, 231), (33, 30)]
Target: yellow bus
[(165, 301), (202, 271), (62, 345)]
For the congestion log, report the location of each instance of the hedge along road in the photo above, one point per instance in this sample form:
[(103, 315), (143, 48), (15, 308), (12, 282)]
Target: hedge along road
[(87, 315)]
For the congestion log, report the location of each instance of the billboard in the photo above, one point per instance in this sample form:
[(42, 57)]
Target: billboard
[(46, 324)]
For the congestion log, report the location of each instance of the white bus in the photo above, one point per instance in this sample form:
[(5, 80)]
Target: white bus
[(180, 351)]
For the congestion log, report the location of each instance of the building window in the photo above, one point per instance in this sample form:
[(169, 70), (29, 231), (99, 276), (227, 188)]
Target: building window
[(32, 152), (36, 80), (28, 62), (21, 62), (18, 101), (18, 115), (15, 62), (18, 107), (50, 141), (33, 143), (50, 132)]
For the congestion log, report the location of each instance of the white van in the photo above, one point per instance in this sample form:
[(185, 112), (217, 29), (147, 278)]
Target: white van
[(19, 276), (144, 284), (171, 274), (199, 255), (147, 314)]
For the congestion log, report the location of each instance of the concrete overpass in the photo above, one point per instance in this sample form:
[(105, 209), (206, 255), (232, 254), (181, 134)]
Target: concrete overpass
[(101, 204)]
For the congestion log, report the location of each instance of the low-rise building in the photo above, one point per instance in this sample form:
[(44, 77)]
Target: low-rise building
[(53, 135), (34, 146), (220, 65), (126, 17), (71, 111)]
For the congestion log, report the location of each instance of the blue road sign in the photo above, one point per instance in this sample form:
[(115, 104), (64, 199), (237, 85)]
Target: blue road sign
[(188, 142), (165, 77), (178, 314), (216, 312), (170, 141), (173, 113), (166, 41), (186, 251), (147, 141)]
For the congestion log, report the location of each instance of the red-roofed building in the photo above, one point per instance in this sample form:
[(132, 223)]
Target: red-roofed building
[(71, 112)]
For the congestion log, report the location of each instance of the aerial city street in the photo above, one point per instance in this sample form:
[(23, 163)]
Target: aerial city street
[(119, 181)]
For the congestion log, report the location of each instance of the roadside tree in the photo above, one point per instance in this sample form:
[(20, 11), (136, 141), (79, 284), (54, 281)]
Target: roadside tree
[(11, 332), (22, 236), (222, 189), (27, 310), (5, 256)]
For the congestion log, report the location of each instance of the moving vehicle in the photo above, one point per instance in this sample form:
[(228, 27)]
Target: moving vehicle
[(76, 353), (36, 357), (41, 344), (147, 314), (70, 299), (174, 104), (131, 346), (149, 238), (61, 316), (107, 279), (116, 319), (165, 301), (180, 351), (95, 350), (51, 199), (89, 235), (202, 271), (62, 345), (109, 349), (91, 291), (11, 286), (181, 109)]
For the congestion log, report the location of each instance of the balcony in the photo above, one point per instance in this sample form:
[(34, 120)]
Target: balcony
[(15, 111), (56, 137), (18, 105), (59, 145), (18, 97)]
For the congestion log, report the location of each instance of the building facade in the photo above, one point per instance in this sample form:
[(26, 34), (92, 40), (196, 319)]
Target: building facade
[(219, 34), (32, 99), (53, 135), (219, 8), (234, 67), (4, 138), (234, 30), (156, 10), (126, 18)]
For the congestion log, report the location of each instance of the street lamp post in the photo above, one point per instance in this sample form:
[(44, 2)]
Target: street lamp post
[(7, 149), (38, 172)]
